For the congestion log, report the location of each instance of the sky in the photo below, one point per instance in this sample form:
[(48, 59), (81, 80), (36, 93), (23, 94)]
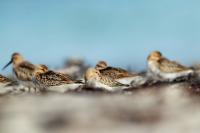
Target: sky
[(122, 32)]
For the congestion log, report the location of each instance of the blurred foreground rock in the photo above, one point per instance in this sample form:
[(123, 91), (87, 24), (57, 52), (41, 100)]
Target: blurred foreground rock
[(157, 109)]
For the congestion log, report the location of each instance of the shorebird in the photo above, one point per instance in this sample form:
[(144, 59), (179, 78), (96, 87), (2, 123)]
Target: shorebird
[(95, 79), (7, 85), (48, 80), (118, 74), (112, 72), (4, 81), (23, 70), (163, 69)]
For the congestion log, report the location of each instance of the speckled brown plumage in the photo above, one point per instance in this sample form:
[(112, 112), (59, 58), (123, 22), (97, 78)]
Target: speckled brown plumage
[(168, 66), (95, 76), (51, 78), (115, 73), (109, 81), (4, 79)]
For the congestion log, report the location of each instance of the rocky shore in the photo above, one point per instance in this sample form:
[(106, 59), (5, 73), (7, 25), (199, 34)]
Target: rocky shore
[(158, 108)]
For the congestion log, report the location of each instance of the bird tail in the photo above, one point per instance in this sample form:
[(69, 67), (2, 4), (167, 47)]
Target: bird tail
[(125, 85), (79, 81)]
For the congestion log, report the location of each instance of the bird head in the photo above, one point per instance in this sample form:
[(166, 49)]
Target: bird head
[(41, 69), (101, 65), (155, 56), (92, 74), (16, 59)]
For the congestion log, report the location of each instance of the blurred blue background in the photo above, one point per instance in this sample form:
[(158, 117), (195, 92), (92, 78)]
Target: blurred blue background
[(123, 32)]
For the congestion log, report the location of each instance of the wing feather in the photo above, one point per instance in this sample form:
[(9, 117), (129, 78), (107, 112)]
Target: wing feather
[(111, 82), (51, 78), (171, 66), (115, 73), (25, 71)]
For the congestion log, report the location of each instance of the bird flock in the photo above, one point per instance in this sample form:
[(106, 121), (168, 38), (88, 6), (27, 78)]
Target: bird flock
[(40, 78)]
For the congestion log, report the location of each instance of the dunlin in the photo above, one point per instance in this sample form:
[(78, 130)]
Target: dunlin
[(118, 74), (163, 69), (113, 72), (4, 81), (23, 70), (46, 79), (95, 79)]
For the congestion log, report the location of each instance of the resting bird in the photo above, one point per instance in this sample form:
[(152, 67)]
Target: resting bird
[(163, 69), (95, 79), (118, 74), (46, 79), (23, 70)]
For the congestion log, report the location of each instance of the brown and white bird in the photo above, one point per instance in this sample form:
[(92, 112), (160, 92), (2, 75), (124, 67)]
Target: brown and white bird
[(113, 72), (23, 70), (95, 79), (118, 74), (48, 80), (6, 85), (163, 69), (4, 81)]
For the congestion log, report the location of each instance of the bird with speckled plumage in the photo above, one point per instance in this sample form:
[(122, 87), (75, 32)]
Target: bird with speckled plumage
[(95, 79), (4, 81), (48, 80), (163, 69), (118, 74)]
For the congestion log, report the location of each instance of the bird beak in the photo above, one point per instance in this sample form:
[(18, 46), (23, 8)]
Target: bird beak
[(10, 62)]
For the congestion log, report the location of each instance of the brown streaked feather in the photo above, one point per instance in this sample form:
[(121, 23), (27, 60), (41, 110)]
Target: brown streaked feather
[(115, 73), (24, 71), (51, 78), (110, 81), (171, 66), (4, 79)]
